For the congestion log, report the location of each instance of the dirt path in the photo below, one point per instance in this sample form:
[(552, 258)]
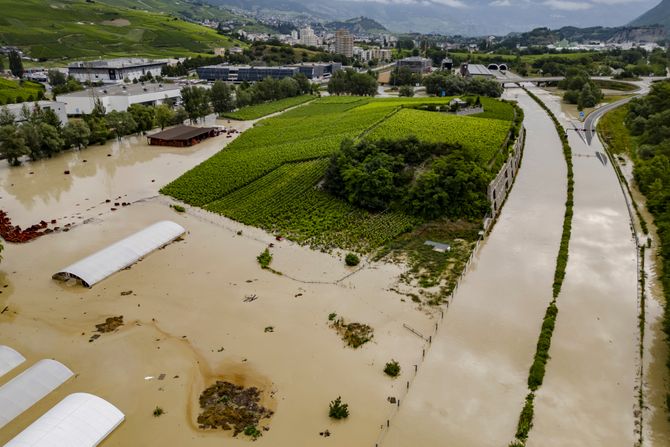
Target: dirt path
[(469, 389), (588, 395)]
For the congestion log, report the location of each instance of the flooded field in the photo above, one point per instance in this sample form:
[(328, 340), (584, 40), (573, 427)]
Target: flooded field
[(473, 383), (187, 313)]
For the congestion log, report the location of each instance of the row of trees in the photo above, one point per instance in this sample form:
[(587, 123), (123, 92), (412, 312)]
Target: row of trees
[(580, 89), (430, 180), (351, 82), (40, 134), (221, 98), (444, 83)]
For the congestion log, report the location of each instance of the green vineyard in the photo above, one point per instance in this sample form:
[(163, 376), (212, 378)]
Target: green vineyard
[(269, 177)]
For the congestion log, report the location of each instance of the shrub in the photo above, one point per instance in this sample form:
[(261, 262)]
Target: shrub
[(178, 208), (392, 369), (525, 419), (252, 432), (332, 316), (264, 259), (338, 410), (351, 260), (158, 411)]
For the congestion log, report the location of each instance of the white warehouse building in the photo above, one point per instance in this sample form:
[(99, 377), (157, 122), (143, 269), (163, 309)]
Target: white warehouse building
[(115, 70), (57, 107), (119, 97)]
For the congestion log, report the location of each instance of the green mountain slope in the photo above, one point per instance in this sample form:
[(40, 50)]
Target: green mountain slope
[(75, 29), (358, 25), (659, 15)]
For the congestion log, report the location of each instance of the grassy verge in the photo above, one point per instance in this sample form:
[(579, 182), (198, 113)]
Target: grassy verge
[(15, 91), (538, 368), (268, 108)]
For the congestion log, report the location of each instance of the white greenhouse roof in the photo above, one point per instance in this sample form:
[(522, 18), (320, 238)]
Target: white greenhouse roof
[(26, 389), (79, 420), (121, 254), (9, 359)]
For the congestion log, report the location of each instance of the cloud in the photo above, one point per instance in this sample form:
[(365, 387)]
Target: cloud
[(500, 3), (568, 5)]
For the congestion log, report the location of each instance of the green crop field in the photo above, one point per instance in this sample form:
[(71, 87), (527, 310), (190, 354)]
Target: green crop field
[(10, 91), (268, 108), (75, 29), (269, 176), (482, 136)]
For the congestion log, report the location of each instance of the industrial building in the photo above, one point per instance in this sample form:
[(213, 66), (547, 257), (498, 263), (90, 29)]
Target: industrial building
[(59, 108), (119, 97), (416, 64), (115, 70), (344, 43), (246, 73)]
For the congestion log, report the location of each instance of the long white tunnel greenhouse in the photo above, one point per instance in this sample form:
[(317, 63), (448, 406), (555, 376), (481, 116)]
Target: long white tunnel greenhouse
[(79, 420), (29, 387), (9, 359), (121, 254)]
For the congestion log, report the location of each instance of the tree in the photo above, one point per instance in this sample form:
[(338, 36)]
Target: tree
[(405, 76), (12, 144), (121, 123), (143, 115), (98, 109), (164, 116), (196, 102), (222, 98), (6, 117), (15, 64), (56, 78), (338, 410), (406, 90), (76, 134)]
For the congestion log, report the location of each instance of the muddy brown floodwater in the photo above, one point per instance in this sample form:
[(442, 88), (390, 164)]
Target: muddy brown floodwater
[(186, 316), (472, 386)]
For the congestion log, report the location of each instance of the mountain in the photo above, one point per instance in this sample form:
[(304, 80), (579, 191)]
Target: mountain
[(77, 29), (466, 17), (658, 15), (358, 25), (546, 36)]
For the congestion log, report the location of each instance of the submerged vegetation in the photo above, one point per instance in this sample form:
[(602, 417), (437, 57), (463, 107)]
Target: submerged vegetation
[(337, 409), (232, 407), (354, 335), (392, 369)]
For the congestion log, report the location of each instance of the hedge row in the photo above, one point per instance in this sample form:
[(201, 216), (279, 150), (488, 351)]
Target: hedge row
[(538, 368)]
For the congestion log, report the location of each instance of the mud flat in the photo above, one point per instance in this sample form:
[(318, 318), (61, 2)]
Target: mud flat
[(473, 382), (186, 317), (588, 396)]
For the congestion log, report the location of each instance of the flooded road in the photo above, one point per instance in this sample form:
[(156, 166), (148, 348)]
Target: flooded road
[(186, 309), (473, 383), (588, 396)]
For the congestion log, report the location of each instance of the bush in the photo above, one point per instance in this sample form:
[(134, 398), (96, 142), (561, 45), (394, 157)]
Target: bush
[(178, 208), (338, 410), (351, 260), (392, 369), (264, 259), (406, 90), (158, 411), (252, 432)]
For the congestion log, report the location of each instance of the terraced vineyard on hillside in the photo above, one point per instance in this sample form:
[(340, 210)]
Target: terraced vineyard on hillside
[(270, 176)]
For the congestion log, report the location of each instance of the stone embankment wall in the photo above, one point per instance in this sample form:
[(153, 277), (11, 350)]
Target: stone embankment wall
[(500, 186)]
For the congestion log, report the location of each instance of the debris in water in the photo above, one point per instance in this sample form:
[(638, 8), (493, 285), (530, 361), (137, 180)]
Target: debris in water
[(126, 293), (111, 324), (250, 298)]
